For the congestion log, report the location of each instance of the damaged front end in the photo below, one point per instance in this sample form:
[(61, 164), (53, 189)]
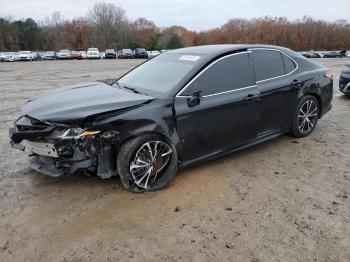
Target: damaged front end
[(56, 149)]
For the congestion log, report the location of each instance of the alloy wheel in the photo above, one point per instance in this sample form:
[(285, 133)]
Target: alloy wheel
[(307, 116), (149, 163)]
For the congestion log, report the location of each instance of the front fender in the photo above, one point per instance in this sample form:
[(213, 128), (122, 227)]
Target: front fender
[(151, 118)]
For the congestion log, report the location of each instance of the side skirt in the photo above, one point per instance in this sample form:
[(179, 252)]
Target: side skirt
[(215, 155)]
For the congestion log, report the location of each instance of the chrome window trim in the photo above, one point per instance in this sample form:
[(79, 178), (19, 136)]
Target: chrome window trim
[(206, 68), (276, 50), (220, 93), (250, 50)]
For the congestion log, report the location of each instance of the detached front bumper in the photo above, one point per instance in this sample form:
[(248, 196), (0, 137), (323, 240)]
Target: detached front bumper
[(48, 166)]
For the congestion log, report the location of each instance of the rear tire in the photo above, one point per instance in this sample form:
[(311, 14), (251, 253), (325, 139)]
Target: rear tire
[(306, 116), (146, 163)]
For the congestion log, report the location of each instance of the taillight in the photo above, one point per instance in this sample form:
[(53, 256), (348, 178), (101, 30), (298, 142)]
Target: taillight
[(329, 74)]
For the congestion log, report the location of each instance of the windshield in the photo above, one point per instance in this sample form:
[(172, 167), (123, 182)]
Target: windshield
[(64, 51), (24, 52), (92, 50), (160, 74)]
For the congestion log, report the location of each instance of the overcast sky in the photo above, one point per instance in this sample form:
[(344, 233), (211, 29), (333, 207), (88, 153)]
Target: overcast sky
[(195, 14)]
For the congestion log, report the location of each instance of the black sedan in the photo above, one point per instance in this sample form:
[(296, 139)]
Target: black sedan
[(125, 53), (344, 79), (332, 54), (180, 108), (110, 54), (140, 53)]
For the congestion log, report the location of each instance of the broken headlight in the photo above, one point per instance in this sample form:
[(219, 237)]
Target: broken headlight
[(76, 133)]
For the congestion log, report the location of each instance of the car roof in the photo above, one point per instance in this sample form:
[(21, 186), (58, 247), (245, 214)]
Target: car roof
[(209, 53), (215, 50)]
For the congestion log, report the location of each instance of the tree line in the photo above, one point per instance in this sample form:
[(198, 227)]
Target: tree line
[(107, 26)]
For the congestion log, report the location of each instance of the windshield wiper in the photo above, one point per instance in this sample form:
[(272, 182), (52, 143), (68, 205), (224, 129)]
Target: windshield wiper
[(130, 88)]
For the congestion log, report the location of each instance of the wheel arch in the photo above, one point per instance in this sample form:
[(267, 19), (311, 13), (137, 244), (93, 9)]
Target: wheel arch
[(171, 140), (317, 96)]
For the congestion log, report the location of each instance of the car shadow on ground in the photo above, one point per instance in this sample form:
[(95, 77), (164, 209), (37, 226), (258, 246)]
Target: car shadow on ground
[(191, 174), (344, 97)]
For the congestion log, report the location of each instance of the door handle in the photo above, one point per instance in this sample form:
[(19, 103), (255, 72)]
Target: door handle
[(252, 98)]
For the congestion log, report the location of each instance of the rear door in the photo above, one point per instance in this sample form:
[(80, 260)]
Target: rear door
[(226, 113), (278, 90)]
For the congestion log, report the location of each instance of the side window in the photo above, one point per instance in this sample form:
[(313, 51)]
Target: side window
[(289, 65), (227, 74), (268, 64)]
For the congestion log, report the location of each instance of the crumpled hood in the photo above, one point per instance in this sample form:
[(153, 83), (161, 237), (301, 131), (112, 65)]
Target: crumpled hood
[(72, 104)]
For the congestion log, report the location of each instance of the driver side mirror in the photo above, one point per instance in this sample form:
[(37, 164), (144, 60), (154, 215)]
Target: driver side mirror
[(195, 99)]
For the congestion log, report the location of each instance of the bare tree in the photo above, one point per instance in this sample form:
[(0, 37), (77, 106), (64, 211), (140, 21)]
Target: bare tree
[(110, 24)]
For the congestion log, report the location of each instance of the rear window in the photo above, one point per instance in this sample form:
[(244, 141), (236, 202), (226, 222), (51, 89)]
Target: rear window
[(268, 64), (289, 65)]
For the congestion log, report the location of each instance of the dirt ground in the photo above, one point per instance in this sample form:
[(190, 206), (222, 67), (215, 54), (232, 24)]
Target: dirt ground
[(284, 200)]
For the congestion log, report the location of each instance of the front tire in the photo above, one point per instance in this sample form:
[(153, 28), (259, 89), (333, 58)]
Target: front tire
[(146, 163), (306, 116)]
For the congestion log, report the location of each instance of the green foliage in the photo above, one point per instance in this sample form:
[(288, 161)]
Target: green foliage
[(174, 42), (22, 35), (152, 43)]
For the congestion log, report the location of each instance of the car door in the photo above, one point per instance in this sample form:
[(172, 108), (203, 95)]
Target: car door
[(218, 109), (277, 86)]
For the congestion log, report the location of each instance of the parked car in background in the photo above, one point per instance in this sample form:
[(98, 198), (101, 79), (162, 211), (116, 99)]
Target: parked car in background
[(332, 54), (40, 56), (344, 79), (110, 54), (25, 56), (93, 53), (63, 54), (305, 54), (75, 55), (2, 55), (37, 56), (125, 53), (315, 54), (152, 53), (10, 57), (49, 55), (183, 107), (83, 54), (140, 53), (310, 54)]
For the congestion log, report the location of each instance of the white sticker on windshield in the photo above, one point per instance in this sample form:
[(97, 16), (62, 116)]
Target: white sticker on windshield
[(192, 58)]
